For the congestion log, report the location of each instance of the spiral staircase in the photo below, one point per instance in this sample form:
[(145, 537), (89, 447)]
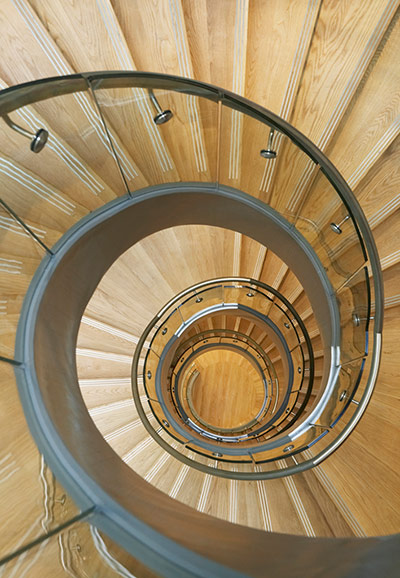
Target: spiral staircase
[(170, 235)]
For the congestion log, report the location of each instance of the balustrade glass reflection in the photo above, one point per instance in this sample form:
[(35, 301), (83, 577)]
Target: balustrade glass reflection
[(32, 501)]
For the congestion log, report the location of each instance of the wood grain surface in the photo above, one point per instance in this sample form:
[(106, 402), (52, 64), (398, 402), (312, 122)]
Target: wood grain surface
[(328, 67)]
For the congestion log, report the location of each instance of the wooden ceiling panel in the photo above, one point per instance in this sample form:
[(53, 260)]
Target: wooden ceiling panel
[(377, 192), (86, 33), (345, 40), (373, 121), (228, 393), (392, 288), (279, 36), (387, 239), (155, 33), (25, 55), (221, 60)]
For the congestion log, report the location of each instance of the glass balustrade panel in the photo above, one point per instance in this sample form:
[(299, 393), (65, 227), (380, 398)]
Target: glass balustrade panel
[(207, 341), (257, 300), (79, 550), (325, 438), (277, 314), (288, 447), (149, 372), (250, 161), (173, 438), (20, 257), (161, 422), (298, 368), (366, 369), (353, 301), (74, 174), (286, 322), (327, 225), (169, 136), (199, 303), (252, 299), (167, 326), (33, 502), (343, 391)]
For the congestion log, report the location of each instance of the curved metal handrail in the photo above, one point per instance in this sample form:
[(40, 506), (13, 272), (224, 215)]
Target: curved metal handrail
[(248, 429), (15, 97), (125, 519), (159, 321), (235, 341), (233, 336), (251, 287), (22, 95)]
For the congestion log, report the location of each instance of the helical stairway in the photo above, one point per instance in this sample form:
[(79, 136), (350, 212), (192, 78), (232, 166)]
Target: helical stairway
[(194, 381)]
